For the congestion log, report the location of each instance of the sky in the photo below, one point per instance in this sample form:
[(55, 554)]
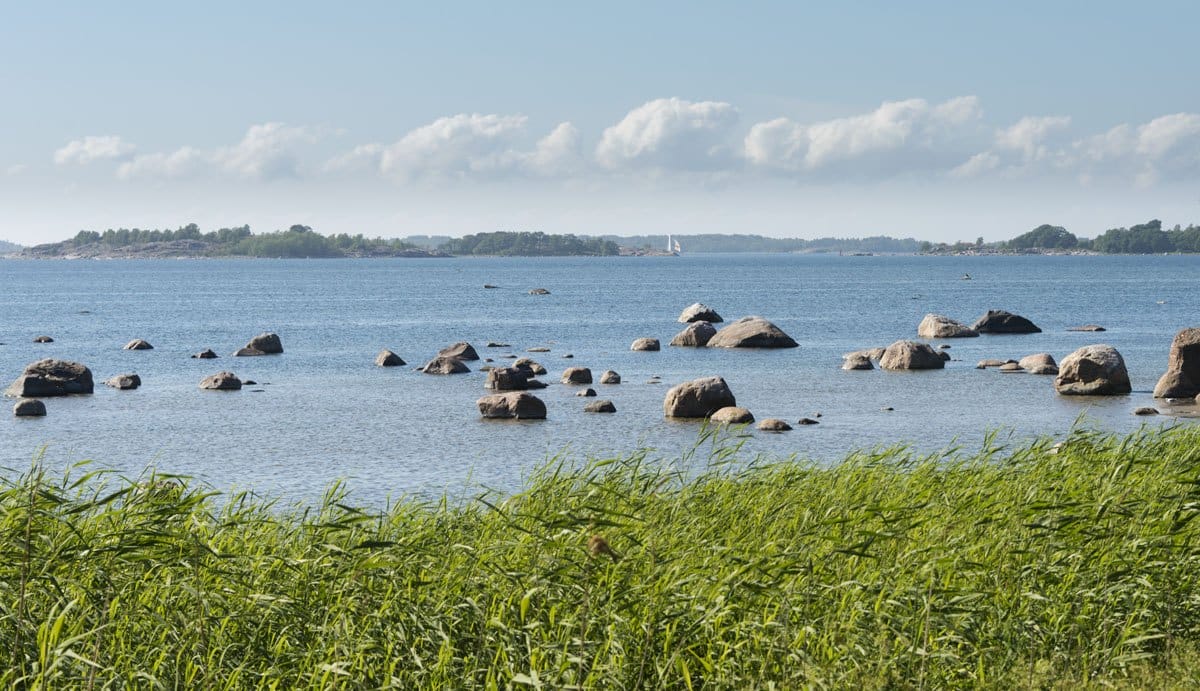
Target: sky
[(941, 121)]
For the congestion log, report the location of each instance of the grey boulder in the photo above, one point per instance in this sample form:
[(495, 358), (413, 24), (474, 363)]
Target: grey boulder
[(445, 365), (124, 382), (138, 344), (29, 407), (507, 379), (751, 332), (1182, 378), (221, 381), (911, 355), (695, 335), (698, 398), (1094, 370), (601, 406), (646, 344), (387, 358), (699, 312), (460, 351), (577, 375), (939, 326), (52, 377), (732, 415), (1039, 363), (516, 405)]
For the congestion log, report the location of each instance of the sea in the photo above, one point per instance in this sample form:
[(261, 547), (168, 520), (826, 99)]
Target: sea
[(323, 415)]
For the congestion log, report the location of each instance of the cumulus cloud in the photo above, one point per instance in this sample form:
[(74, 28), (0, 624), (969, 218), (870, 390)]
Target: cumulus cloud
[(559, 152), (267, 152), (1169, 144), (896, 135), (457, 146), (670, 133), (1029, 135), (93, 148)]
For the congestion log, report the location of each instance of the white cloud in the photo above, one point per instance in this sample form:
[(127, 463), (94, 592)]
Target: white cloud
[(266, 152), (559, 152), (670, 133), (181, 163), (457, 146), (360, 158), (976, 165), (895, 136), (1169, 144), (93, 148), (15, 169)]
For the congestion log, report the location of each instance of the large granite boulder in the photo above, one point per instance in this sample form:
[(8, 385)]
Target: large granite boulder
[(646, 344), (732, 415), (699, 312), (911, 355), (1039, 363), (512, 405), (751, 332), (138, 344), (1182, 378), (221, 381), (695, 335), (387, 358), (29, 407), (445, 365), (262, 344), (938, 326), (52, 377), (698, 398), (1094, 370), (124, 382), (1001, 322), (460, 351), (577, 375), (507, 379)]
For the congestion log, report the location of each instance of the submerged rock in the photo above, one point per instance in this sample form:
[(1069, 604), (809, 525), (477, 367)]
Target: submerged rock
[(774, 424), (856, 361), (1086, 327), (221, 381), (587, 393), (601, 406), (42, 339), (29, 407), (138, 344)]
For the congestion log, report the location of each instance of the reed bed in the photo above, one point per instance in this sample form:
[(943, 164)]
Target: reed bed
[(1030, 566)]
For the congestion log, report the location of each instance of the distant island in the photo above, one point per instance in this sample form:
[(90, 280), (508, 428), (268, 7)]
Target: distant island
[(1145, 238)]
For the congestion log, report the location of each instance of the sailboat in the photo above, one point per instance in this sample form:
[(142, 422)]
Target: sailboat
[(673, 245)]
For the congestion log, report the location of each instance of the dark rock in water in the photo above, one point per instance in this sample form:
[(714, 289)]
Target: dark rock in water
[(610, 377), (29, 407), (535, 384), (138, 344), (568, 356), (1039, 363), (487, 368), (857, 362), (911, 355), (496, 344), (732, 415), (249, 382), (1001, 322), (1182, 378), (507, 379), (751, 332), (774, 424), (603, 406), (1145, 411), (810, 421), (222, 381), (577, 375), (262, 344), (695, 335), (459, 351), (887, 409), (387, 358), (247, 351), (1086, 327), (52, 377), (43, 339), (1094, 370), (939, 326), (944, 346), (539, 291), (699, 312), (206, 354), (512, 405), (645, 344), (698, 398), (587, 393), (124, 382), (489, 286), (943, 355), (445, 365), (534, 368)]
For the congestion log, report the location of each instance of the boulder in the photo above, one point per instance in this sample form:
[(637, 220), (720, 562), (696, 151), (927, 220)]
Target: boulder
[(52, 377), (43, 339), (602, 406), (774, 424), (387, 358), (1011, 368), (512, 405), (984, 364), (1182, 378), (138, 344), (206, 354), (699, 312), (29, 407), (262, 344), (495, 344), (459, 351), (610, 377), (1145, 411), (124, 382), (534, 384), (645, 344), (751, 332), (810, 421), (698, 398), (695, 335), (1086, 327), (577, 375), (527, 364), (857, 361), (903, 355), (537, 349), (507, 379), (1001, 322), (732, 415), (221, 381), (938, 326), (1039, 363), (539, 291), (1094, 370), (445, 365), (875, 354), (587, 393)]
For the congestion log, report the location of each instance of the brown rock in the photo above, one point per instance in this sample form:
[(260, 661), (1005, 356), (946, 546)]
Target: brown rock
[(732, 415), (459, 351), (698, 398), (222, 381), (507, 379), (445, 365), (52, 377), (387, 358), (699, 312), (534, 368), (695, 335), (1094, 370), (938, 326), (911, 355), (512, 405), (537, 349), (1182, 378), (875, 354), (751, 332), (1145, 411), (601, 406), (124, 382), (645, 344), (577, 375), (610, 377), (587, 393), (1011, 367), (1039, 363), (984, 364), (263, 344), (774, 424), (856, 361)]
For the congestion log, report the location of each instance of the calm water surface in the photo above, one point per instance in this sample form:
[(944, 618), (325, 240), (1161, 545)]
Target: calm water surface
[(325, 412)]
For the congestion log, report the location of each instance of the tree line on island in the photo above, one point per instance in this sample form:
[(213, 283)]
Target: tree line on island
[(1143, 238)]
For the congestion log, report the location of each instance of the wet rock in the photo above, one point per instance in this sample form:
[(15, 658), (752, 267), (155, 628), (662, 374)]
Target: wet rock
[(445, 365), (984, 364), (875, 354), (567, 356), (1039, 363), (1094, 370), (537, 349), (534, 368), (645, 344), (586, 393), (699, 312), (496, 344), (387, 358), (1145, 411), (698, 398), (1182, 378), (732, 415), (43, 339), (512, 405), (810, 421), (1002, 322), (751, 332), (911, 355), (29, 407), (124, 382), (939, 326), (774, 424), (1011, 368), (856, 361), (138, 344), (489, 286), (602, 406), (206, 354), (507, 379), (610, 377), (221, 381), (535, 384), (695, 335), (459, 351), (577, 375), (263, 344), (52, 377)]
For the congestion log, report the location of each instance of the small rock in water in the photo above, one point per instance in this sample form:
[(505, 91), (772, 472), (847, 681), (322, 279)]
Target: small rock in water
[(29, 407), (732, 415), (1011, 367), (1086, 327), (944, 346), (124, 382), (387, 358), (603, 406), (649, 344), (577, 375), (250, 382), (43, 339), (496, 344), (222, 381), (539, 291), (610, 377), (489, 286), (587, 393), (139, 344), (537, 349), (773, 424), (567, 356), (1146, 411), (887, 409), (810, 421), (206, 354)]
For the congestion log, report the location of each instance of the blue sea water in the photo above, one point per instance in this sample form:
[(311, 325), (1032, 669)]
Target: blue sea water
[(326, 413)]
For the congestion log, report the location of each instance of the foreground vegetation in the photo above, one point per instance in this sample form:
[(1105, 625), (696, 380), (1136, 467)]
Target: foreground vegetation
[(1033, 567)]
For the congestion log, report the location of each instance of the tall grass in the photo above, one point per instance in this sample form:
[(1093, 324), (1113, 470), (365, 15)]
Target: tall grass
[(1033, 566)]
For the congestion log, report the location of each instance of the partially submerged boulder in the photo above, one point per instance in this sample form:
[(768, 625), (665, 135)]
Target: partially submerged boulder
[(29, 407), (577, 375), (42, 339), (751, 332), (512, 405), (1094, 370), (875, 354), (445, 365), (221, 381), (911, 355), (206, 354), (939, 326), (527, 364), (387, 358), (263, 344), (1087, 327), (539, 291), (1182, 378), (507, 379), (695, 335), (732, 415), (698, 398), (774, 424), (601, 406), (857, 361), (461, 351), (699, 312), (138, 344), (1002, 322), (646, 344), (52, 377), (124, 382), (1039, 363), (610, 377)]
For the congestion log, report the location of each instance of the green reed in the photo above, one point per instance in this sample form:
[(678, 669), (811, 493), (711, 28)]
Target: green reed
[(1029, 566)]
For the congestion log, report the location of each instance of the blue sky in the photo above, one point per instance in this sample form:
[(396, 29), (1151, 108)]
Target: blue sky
[(941, 121)]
